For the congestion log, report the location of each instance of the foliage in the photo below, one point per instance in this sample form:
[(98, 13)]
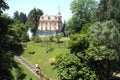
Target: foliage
[(20, 30), (74, 65), (97, 53), (82, 10), (20, 17), (73, 24), (85, 28), (78, 43), (52, 61), (23, 18), (16, 15), (24, 37), (107, 10), (3, 6), (51, 38), (34, 16), (7, 40), (106, 33), (102, 53), (70, 67), (104, 48), (63, 28), (58, 37)]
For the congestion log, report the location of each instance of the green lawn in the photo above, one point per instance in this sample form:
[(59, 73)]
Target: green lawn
[(42, 58)]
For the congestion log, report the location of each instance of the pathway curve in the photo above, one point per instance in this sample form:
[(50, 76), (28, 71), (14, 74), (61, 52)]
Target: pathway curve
[(30, 67)]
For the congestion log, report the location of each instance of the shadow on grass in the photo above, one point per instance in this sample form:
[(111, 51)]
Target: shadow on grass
[(60, 42), (18, 49)]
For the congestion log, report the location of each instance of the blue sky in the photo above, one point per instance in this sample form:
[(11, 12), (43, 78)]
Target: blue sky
[(47, 6)]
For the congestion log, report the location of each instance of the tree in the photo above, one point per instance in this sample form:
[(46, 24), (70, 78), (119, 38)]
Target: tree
[(97, 51), (104, 49), (78, 43), (34, 16), (74, 65), (16, 15), (63, 28), (3, 6), (58, 37), (70, 68), (106, 33), (107, 10), (82, 10), (31, 26), (6, 61), (51, 38), (20, 30), (24, 37), (20, 17), (7, 40)]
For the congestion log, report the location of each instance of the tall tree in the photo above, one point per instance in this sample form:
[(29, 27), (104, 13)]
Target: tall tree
[(74, 65), (107, 10), (22, 17), (34, 16), (63, 28), (3, 6), (104, 50), (16, 15), (82, 10), (6, 41), (20, 30)]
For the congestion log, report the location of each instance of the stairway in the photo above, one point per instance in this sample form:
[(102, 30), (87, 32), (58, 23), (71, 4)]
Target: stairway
[(30, 67)]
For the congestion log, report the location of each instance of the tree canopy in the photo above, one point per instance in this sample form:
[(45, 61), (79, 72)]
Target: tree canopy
[(96, 46), (82, 10), (7, 42), (107, 10), (3, 6), (34, 16), (20, 17)]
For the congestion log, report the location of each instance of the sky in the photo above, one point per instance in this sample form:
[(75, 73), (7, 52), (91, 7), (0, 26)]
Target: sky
[(49, 7)]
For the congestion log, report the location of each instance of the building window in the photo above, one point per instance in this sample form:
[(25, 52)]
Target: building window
[(55, 17), (50, 27), (46, 28), (49, 17), (42, 17)]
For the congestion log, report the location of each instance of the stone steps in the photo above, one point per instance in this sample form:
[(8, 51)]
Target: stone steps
[(30, 67)]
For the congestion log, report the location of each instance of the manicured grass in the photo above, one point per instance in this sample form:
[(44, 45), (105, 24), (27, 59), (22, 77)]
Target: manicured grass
[(41, 57)]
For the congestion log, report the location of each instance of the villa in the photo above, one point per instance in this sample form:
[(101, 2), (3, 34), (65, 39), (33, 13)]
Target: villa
[(49, 25)]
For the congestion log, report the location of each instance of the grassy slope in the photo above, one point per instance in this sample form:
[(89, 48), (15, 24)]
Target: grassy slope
[(42, 58)]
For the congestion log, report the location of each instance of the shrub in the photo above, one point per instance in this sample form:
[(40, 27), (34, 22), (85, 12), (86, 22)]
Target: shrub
[(58, 37), (52, 61), (51, 38)]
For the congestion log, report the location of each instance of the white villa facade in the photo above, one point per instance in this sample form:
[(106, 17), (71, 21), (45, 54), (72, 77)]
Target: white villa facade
[(49, 25)]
